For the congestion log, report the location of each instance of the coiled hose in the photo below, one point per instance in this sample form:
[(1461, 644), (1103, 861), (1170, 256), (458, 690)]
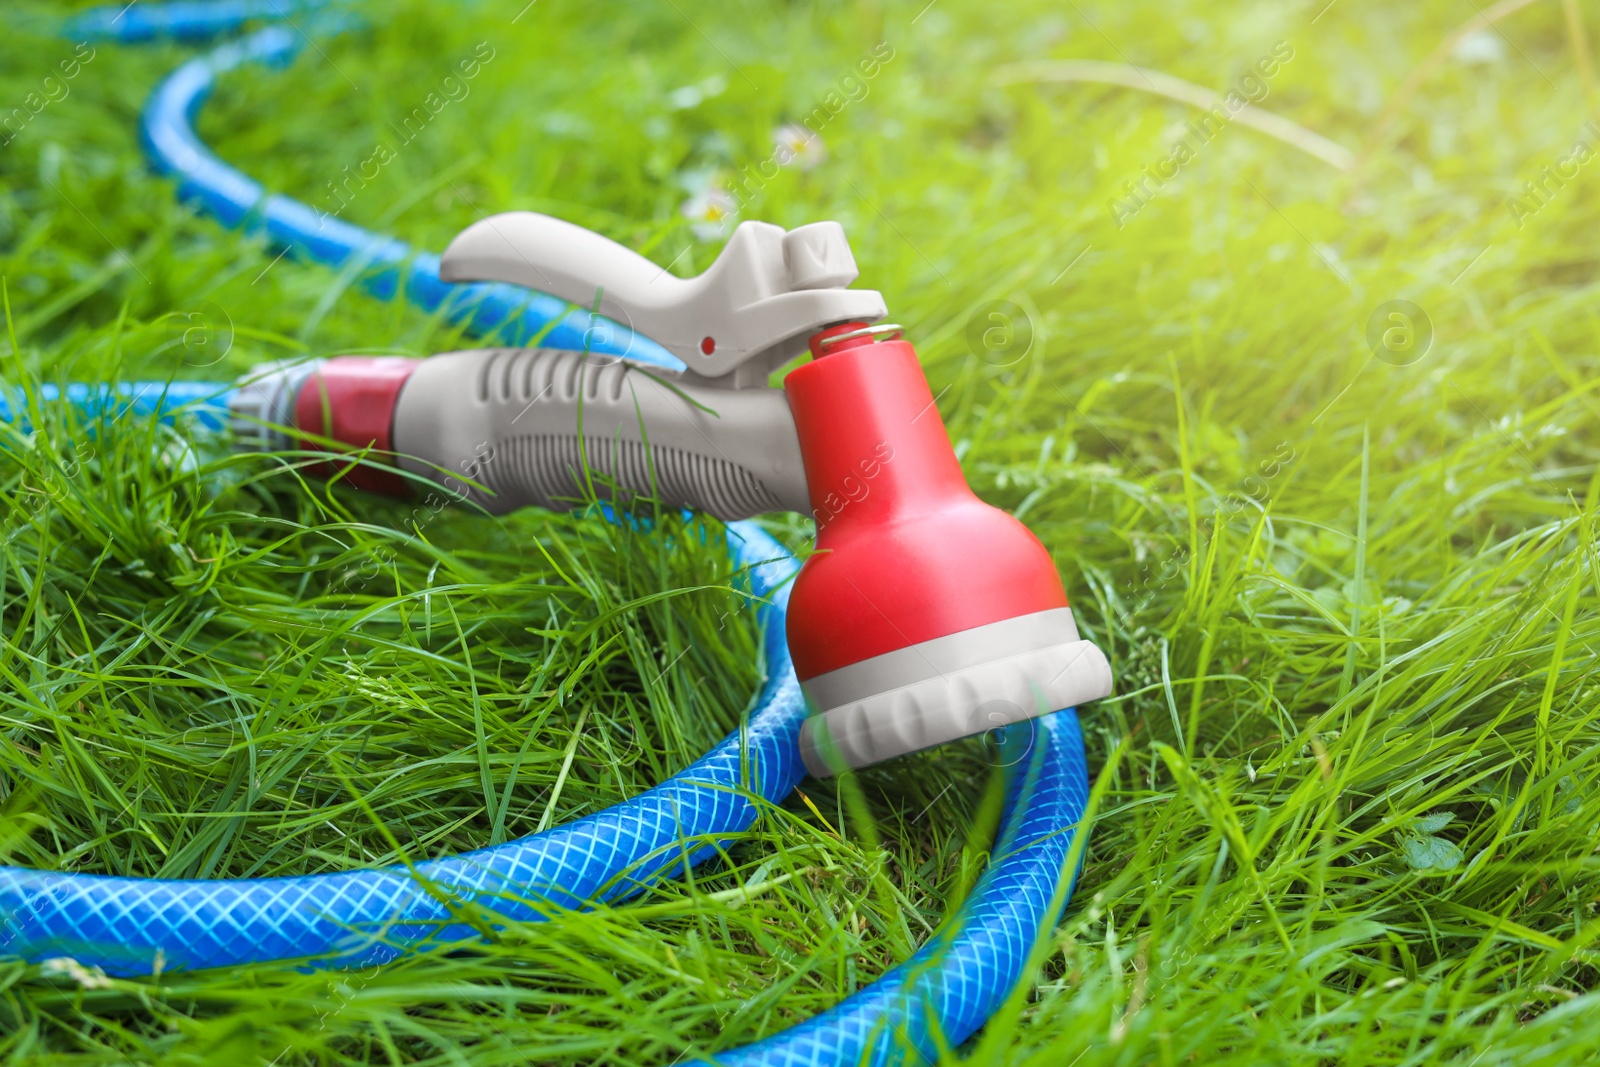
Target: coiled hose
[(130, 926)]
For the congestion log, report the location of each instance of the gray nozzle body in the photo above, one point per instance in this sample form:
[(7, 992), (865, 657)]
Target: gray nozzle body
[(544, 426), (507, 428)]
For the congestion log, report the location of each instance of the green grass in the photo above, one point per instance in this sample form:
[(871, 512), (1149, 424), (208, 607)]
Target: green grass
[(1344, 599)]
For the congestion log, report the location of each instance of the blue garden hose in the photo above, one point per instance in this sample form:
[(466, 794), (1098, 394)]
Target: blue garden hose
[(205, 402), (126, 925), (132, 926), (384, 266)]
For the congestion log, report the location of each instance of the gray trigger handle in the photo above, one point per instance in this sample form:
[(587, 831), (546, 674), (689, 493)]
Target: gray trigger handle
[(544, 427), (752, 309)]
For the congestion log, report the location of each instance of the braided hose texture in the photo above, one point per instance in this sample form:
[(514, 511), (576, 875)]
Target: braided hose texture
[(131, 926)]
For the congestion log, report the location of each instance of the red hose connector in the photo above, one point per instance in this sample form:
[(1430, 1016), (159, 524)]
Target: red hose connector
[(351, 399)]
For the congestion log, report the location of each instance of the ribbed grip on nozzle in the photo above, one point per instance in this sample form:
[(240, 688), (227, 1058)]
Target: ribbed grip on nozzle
[(549, 470), (507, 428)]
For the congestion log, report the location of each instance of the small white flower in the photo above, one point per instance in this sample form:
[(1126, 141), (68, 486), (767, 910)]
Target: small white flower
[(709, 213), (685, 98), (178, 456), (87, 977), (793, 143), (1483, 46), (692, 96)]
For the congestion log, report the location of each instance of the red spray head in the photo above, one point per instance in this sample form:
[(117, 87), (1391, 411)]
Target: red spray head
[(926, 615)]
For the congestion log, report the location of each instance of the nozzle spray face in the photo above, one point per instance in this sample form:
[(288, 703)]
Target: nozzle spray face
[(926, 615)]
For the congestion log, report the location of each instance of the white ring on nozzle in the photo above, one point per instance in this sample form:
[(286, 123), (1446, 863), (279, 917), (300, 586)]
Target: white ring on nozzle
[(950, 687), (261, 410)]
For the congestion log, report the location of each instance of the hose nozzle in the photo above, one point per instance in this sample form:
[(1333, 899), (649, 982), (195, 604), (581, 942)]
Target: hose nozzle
[(925, 615)]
